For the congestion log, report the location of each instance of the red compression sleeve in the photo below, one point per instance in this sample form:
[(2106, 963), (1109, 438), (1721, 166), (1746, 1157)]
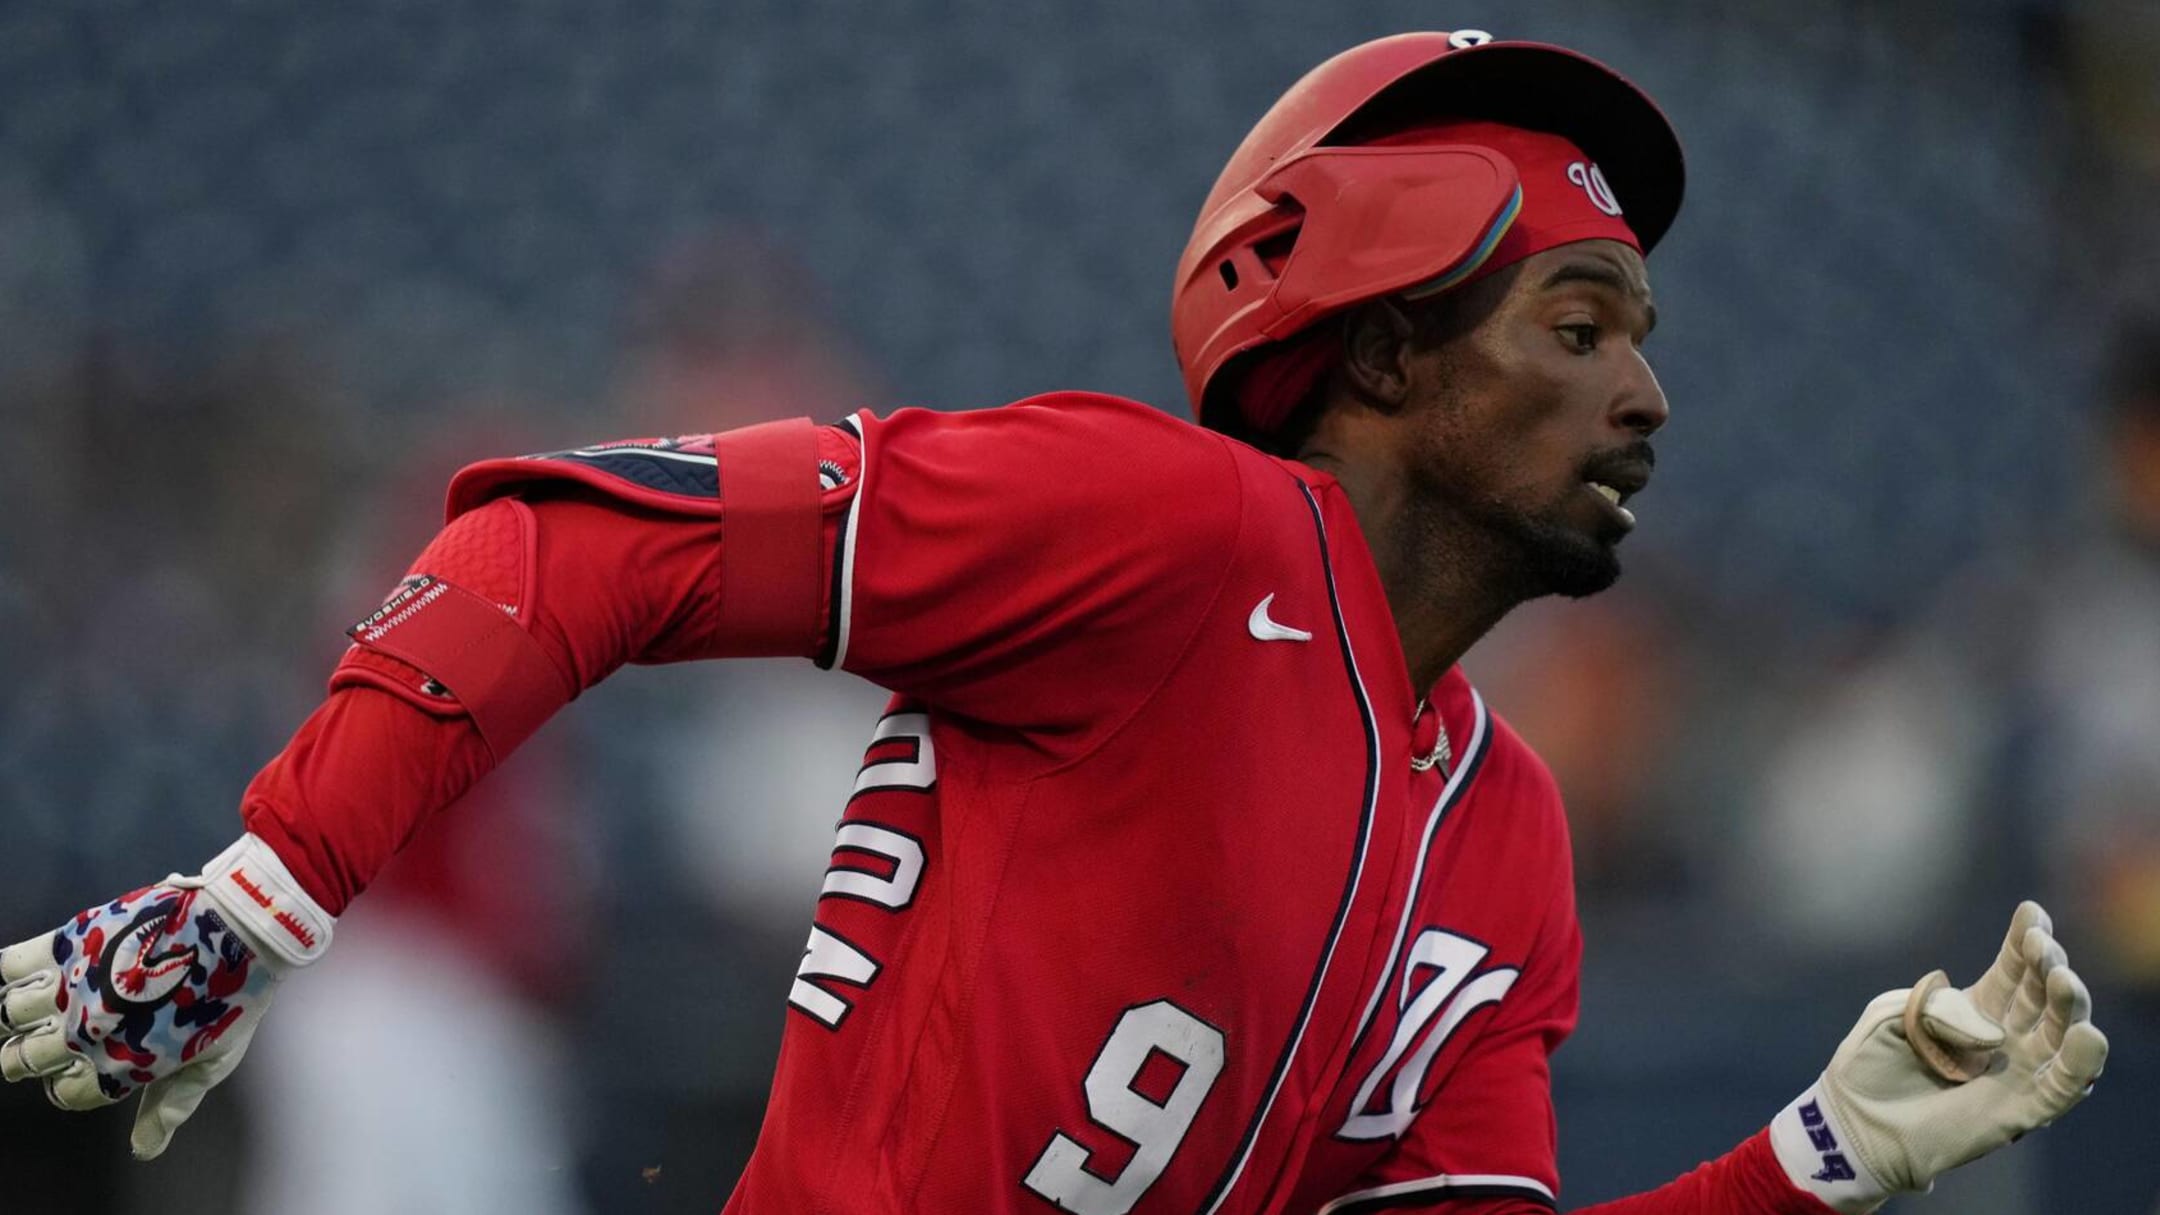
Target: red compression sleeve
[(607, 583), (1745, 1181)]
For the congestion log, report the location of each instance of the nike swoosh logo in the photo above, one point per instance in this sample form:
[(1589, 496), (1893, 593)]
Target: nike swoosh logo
[(1264, 629)]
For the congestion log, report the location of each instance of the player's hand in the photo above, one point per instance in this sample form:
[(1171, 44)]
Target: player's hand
[(160, 989), (1883, 1120)]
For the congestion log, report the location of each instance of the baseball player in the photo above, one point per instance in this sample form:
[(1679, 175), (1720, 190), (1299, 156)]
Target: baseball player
[(1185, 872)]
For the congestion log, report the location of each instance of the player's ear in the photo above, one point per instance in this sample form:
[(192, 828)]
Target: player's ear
[(1376, 345)]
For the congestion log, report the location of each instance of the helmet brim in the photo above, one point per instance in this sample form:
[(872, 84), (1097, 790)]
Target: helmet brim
[(1545, 88)]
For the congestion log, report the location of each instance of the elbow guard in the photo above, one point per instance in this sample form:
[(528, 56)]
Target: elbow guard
[(449, 639)]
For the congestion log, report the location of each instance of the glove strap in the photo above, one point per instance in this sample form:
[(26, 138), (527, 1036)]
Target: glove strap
[(1819, 1156), (259, 895)]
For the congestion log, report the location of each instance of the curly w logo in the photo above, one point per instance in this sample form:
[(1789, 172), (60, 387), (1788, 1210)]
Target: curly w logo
[(1425, 1022), (1592, 180)]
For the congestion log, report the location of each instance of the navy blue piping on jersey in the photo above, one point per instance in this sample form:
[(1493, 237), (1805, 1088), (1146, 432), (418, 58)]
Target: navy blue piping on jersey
[(1451, 795), (1229, 1179)]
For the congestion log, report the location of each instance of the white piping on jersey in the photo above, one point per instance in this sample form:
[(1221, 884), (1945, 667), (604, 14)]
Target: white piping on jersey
[(1357, 878), (845, 609), (593, 453), (1448, 793), (1439, 1183)]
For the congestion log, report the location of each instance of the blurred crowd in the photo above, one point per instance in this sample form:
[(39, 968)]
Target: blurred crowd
[(1886, 657)]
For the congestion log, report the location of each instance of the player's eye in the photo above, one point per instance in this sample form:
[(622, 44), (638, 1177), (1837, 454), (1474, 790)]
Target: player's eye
[(1582, 338)]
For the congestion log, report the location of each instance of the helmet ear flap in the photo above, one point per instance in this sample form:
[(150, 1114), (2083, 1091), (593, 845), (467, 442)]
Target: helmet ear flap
[(1382, 220)]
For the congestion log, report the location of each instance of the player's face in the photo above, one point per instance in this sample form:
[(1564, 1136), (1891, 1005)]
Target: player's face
[(1526, 415)]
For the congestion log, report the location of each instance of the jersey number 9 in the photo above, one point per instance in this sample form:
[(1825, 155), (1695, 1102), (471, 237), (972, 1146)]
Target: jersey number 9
[(1154, 1128)]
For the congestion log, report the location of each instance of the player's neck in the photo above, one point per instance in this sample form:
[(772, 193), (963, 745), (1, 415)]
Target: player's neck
[(1447, 588), (1447, 582)]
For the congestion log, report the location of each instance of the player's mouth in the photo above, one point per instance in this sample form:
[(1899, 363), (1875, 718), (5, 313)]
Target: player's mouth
[(1618, 477)]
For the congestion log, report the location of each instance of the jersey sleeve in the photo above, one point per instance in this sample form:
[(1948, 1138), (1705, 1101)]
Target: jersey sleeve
[(1038, 566), (972, 559)]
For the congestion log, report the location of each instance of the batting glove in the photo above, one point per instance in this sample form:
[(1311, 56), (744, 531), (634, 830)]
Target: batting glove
[(1883, 1119), (160, 989)]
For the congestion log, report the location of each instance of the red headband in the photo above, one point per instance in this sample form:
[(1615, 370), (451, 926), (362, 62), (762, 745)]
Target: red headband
[(1564, 199)]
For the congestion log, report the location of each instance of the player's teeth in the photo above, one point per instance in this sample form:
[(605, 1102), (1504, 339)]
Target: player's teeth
[(1611, 495)]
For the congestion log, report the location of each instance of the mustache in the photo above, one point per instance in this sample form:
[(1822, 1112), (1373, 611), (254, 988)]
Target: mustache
[(1637, 459)]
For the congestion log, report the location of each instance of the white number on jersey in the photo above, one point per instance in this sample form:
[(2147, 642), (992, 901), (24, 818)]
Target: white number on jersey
[(872, 863), (901, 850), (829, 957), (1154, 1129), (915, 765), (1434, 1015)]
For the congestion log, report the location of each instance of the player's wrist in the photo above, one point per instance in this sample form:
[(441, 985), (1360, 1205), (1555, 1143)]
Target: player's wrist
[(1820, 1153), (264, 903)]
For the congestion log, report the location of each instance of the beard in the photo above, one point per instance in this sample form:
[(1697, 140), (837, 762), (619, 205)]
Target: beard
[(1533, 553), (1555, 558)]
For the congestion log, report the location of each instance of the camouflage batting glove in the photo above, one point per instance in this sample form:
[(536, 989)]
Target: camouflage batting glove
[(160, 989), (1882, 1119)]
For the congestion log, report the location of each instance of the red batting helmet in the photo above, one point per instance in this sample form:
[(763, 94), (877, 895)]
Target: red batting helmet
[(1303, 223)]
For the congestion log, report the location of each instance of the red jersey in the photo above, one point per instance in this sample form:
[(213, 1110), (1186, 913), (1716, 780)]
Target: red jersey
[(1148, 899), (1161, 889)]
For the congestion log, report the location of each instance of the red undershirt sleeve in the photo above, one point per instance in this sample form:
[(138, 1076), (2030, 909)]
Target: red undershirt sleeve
[(1745, 1181)]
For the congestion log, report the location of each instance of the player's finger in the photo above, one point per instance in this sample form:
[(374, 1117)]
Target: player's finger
[(2066, 1078), (1995, 988), (168, 1103), (25, 958), (2042, 955), (1950, 1018), (2068, 1002), (38, 1053), (76, 1087), (25, 1004)]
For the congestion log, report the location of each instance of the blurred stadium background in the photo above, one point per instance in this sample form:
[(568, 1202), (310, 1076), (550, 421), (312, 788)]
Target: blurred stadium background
[(1887, 657)]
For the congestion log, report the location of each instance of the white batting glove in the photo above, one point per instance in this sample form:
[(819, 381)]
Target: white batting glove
[(160, 989), (1881, 1120)]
